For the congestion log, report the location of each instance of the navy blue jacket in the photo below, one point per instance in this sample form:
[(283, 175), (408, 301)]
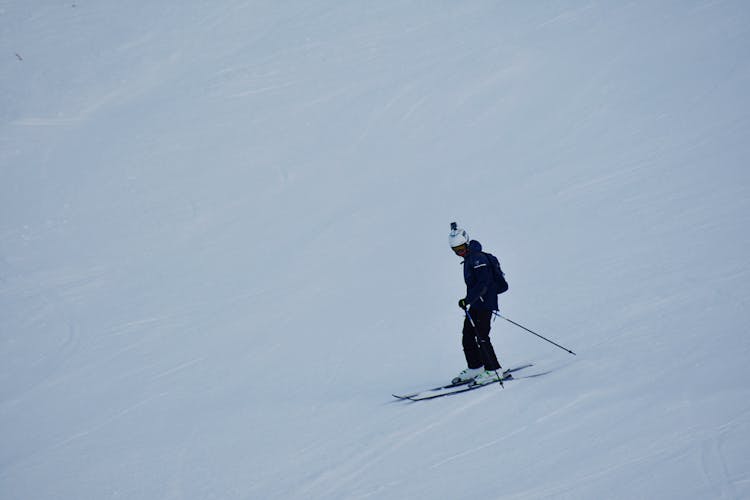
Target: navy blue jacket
[(480, 290)]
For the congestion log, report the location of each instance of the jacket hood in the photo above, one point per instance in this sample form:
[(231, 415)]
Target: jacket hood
[(475, 246)]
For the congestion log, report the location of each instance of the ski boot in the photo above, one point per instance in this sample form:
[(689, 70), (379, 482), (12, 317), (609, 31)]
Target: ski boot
[(467, 375)]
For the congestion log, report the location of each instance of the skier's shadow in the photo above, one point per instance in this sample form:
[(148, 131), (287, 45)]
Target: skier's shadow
[(533, 375)]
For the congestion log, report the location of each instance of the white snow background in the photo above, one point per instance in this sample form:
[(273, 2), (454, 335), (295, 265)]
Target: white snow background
[(223, 245)]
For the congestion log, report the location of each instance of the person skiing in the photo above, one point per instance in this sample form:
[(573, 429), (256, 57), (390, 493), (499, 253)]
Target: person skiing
[(478, 305)]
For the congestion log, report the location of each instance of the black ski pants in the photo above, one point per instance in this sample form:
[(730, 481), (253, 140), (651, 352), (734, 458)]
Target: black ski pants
[(476, 341)]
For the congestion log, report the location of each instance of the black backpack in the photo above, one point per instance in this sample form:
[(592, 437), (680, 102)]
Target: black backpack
[(498, 276)]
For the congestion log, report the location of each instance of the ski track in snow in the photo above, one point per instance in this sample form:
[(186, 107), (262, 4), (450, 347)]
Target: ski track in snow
[(334, 480)]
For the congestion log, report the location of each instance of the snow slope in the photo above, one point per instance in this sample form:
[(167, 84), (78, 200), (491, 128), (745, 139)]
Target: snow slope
[(223, 245)]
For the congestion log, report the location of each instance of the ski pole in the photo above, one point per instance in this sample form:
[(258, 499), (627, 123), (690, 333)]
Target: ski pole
[(476, 330), (530, 331)]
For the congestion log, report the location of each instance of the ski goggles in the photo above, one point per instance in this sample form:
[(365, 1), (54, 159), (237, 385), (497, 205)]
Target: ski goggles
[(461, 249)]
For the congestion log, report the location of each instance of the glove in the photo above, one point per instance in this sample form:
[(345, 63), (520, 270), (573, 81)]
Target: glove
[(462, 304)]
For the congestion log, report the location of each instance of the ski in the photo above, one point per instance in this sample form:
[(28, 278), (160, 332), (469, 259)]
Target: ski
[(446, 390), (447, 386)]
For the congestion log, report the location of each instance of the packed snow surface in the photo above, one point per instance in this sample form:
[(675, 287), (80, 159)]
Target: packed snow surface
[(223, 246)]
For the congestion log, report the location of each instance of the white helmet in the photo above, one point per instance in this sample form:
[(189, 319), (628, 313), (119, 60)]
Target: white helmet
[(458, 236)]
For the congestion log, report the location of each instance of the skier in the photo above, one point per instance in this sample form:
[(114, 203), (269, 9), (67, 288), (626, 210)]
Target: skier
[(479, 304)]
